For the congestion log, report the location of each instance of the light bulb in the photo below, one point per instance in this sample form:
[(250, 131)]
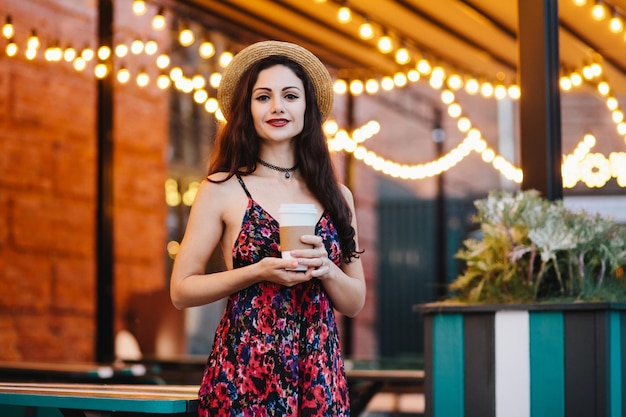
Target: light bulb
[(384, 44), (402, 56), (123, 75), (616, 24), (206, 50), (7, 29), (158, 21), (366, 31), (186, 37), (225, 59), (143, 78), (11, 48), (33, 41), (598, 12), (100, 70), (139, 7), (344, 14)]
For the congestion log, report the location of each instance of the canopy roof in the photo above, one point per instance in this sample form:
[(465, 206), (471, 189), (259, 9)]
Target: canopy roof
[(474, 37)]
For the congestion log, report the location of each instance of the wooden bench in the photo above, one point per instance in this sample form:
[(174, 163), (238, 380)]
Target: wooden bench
[(74, 399), (14, 371), (363, 383)]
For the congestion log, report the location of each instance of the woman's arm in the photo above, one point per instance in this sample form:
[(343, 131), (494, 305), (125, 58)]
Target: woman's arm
[(209, 224)]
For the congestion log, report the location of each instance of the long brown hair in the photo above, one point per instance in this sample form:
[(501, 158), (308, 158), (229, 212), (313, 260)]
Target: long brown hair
[(237, 149)]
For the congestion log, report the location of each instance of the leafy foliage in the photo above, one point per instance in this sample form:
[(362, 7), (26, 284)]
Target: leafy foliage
[(536, 250)]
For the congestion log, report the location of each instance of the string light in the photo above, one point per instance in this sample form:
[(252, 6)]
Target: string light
[(344, 15), (387, 83), (158, 21), (385, 44), (399, 79), (186, 36), (598, 11), (121, 50), (136, 47), (356, 87), (143, 78), (7, 29), (69, 54), (371, 86), (215, 79), (139, 7), (104, 52), (163, 81), (123, 75), (163, 61), (225, 58), (366, 30), (33, 41), (11, 48), (151, 47), (413, 75), (616, 24), (206, 50), (402, 56), (100, 70), (438, 74), (79, 64), (87, 54), (340, 86)]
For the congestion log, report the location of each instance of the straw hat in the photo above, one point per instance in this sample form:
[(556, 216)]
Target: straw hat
[(248, 56)]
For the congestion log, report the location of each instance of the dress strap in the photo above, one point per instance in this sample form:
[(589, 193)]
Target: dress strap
[(243, 186)]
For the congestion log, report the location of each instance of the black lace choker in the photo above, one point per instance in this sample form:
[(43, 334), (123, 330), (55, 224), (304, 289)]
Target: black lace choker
[(287, 171)]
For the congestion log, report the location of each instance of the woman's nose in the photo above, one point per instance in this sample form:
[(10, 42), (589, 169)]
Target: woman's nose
[(277, 105)]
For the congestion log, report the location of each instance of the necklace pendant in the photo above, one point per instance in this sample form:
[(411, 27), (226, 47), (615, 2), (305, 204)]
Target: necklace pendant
[(287, 174)]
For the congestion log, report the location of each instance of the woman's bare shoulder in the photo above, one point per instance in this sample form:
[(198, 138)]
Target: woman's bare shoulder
[(218, 187), (347, 194)]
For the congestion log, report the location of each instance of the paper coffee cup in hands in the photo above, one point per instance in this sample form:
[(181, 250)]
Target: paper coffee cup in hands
[(295, 220)]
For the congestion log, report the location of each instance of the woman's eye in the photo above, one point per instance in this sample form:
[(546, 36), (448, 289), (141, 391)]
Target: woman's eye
[(291, 96), (262, 98)]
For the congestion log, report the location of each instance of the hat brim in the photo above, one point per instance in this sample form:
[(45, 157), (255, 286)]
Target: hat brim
[(317, 72)]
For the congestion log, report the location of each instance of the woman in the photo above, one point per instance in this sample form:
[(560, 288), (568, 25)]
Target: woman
[(276, 349)]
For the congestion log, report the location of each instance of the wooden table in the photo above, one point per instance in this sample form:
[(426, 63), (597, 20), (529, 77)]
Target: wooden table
[(74, 400)]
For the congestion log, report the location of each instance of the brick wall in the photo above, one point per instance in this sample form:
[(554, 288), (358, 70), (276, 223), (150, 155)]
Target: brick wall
[(48, 190)]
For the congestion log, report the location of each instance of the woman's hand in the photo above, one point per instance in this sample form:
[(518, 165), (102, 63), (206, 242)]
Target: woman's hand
[(315, 259), (279, 271)]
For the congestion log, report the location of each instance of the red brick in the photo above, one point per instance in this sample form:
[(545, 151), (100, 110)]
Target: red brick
[(54, 224), (77, 334), (25, 282), (4, 220), (73, 286), (139, 234), (74, 169), (25, 160), (139, 180), (37, 339), (9, 339)]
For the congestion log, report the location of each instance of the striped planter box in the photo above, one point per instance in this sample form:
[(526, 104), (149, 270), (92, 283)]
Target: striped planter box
[(557, 360)]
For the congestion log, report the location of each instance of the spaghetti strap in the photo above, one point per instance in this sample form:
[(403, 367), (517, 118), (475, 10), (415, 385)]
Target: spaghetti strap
[(244, 186)]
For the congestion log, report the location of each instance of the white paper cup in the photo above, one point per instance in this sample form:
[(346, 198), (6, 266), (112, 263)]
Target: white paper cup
[(295, 220)]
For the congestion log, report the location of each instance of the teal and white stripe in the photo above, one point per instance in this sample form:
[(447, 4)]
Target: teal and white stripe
[(520, 363)]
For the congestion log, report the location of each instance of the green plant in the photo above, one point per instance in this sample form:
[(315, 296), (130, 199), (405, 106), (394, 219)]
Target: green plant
[(533, 249)]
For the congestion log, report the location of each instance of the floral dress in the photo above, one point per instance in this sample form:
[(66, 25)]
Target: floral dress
[(276, 350)]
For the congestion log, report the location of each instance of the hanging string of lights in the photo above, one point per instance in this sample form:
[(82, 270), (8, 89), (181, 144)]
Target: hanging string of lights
[(339, 140), (605, 11)]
